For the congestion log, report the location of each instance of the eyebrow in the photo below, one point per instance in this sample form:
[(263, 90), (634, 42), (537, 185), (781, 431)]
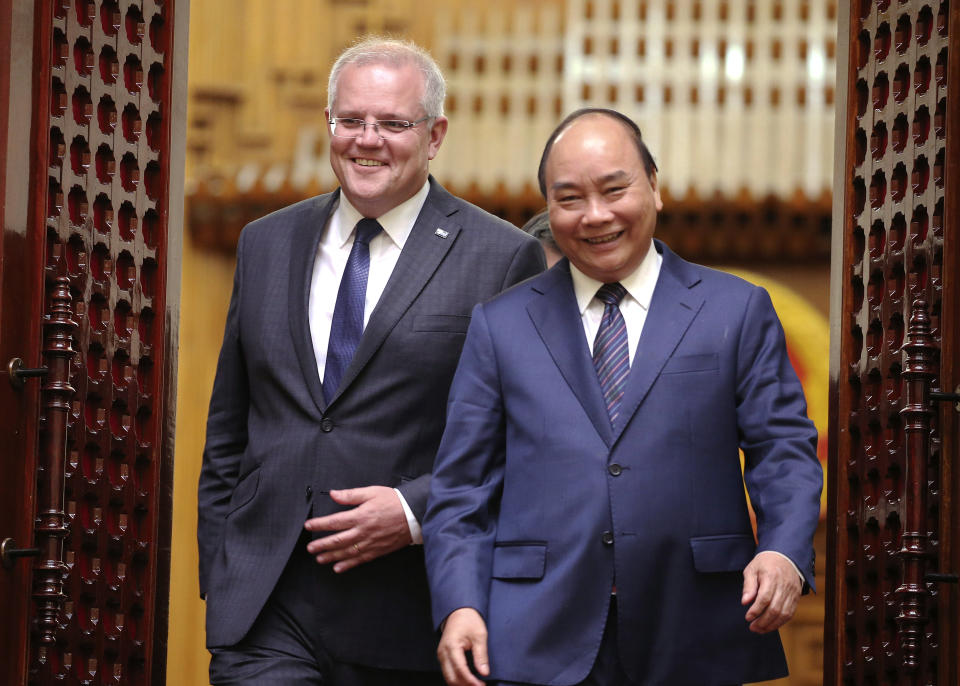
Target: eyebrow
[(356, 114), (618, 175)]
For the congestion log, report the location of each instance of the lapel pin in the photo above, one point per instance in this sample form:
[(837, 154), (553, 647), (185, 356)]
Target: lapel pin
[(440, 232)]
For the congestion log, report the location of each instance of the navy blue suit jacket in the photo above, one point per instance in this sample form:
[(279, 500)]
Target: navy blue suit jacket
[(275, 449), (538, 505)]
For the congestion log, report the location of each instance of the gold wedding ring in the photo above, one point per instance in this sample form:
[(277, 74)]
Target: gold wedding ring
[(357, 548)]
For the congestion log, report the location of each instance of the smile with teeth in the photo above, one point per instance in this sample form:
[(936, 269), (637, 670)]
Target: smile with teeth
[(604, 239), (368, 163)]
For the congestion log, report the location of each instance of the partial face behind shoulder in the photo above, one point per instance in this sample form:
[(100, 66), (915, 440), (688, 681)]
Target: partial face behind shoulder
[(374, 173), (603, 206)]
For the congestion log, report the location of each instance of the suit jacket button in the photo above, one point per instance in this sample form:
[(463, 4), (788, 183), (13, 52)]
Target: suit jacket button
[(615, 469), (607, 538), (309, 492), (326, 426)]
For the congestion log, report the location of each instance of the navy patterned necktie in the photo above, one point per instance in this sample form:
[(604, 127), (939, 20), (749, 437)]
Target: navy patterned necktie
[(347, 325), (611, 356)]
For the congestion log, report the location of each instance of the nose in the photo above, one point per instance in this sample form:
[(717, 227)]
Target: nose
[(370, 137), (597, 211)]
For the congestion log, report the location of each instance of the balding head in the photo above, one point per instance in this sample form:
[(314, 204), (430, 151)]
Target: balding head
[(648, 164)]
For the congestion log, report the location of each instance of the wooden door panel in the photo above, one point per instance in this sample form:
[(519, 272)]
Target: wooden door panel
[(106, 233), (90, 254), (20, 322), (892, 493)]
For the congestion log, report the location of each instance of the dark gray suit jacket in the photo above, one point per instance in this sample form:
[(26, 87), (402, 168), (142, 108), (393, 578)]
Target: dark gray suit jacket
[(274, 448)]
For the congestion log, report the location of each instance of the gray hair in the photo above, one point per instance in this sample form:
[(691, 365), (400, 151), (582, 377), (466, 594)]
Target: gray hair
[(394, 52)]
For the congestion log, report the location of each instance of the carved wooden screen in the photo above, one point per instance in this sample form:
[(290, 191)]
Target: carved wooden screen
[(105, 69), (891, 610)]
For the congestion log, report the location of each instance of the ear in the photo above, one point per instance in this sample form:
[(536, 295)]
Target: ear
[(326, 119), (437, 132), (657, 201)]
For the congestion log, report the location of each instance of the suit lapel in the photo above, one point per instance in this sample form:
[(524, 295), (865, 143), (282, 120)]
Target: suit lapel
[(557, 320), (672, 309), (303, 253), (421, 255)]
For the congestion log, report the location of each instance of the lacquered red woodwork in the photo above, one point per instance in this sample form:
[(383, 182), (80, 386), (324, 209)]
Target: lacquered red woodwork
[(84, 291), (106, 232), (913, 595), (21, 302), (893, 452), (56, 398)]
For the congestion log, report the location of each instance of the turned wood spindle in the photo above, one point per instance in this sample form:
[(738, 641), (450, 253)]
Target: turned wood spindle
[(919, 374), (55, 397)]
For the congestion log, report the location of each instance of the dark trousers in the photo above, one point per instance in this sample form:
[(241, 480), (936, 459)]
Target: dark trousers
[(285, 646)]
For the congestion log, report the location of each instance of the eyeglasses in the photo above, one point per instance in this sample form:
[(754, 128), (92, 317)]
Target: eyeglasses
[(349, 127)]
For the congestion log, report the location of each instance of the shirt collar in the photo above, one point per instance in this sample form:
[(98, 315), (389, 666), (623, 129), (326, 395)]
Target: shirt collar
[(639, 283), (397, 223)]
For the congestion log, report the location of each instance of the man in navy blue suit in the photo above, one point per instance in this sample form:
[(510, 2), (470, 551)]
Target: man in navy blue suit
[(587, 522)]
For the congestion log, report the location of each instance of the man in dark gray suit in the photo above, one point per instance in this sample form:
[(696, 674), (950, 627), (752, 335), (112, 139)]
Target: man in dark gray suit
[(341, 341)]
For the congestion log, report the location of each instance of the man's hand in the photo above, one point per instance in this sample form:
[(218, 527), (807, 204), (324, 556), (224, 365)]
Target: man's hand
[(773, 587), (464, 630), (375, 527)]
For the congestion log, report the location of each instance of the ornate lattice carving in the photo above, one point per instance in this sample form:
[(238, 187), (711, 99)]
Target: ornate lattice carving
[(894, 256), (106, 238)]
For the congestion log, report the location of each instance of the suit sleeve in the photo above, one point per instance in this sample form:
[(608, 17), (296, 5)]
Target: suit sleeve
[(528, 260), (460, 525), (226, 437), (781, 468)]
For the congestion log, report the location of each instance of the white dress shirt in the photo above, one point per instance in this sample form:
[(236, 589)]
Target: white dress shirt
[(331, 261), (634, 306), (336, 242)]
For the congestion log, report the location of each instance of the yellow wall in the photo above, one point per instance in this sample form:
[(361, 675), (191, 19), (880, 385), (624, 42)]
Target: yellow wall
[(207, 280)]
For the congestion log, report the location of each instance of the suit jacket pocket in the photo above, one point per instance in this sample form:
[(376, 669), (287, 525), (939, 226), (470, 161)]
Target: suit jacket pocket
[(244, 491), (441, 323), (723, 553), (683, 364), (519, 559)]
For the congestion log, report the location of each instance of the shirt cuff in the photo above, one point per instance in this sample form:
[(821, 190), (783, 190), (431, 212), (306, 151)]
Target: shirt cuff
[(416, 535), (792, 564)]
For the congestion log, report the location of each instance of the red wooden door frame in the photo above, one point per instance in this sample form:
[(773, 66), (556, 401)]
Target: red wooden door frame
[(856, 649), (26, 273), (20, 315)]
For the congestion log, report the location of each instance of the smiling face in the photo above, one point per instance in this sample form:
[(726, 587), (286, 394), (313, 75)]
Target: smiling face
[(603, 206), (376, 175)]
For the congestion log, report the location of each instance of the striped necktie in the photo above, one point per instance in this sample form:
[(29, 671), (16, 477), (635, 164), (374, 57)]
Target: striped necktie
[(611, 356), (347, 325)]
